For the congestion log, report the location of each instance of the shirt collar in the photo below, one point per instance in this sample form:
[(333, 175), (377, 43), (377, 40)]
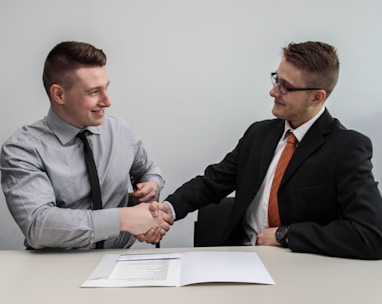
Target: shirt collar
[(65, 132), (300, 132)]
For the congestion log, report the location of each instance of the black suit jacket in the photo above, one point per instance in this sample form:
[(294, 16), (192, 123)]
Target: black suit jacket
[(328, 195)]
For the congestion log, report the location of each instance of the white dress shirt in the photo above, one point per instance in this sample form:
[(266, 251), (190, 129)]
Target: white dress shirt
[(256, 218)]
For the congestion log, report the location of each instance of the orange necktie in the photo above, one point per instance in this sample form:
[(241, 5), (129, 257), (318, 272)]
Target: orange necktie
[(273, 206)]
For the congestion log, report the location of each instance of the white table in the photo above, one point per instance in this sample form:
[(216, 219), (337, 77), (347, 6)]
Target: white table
[(55, 278)]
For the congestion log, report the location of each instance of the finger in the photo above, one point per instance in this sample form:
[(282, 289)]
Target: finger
[(154, 209), (158, 239), (165, 207), (154, 236), (138, 191), (168, 218), (150, 236), (164, 225), (148, 197), (159, 236), (140, 237), (136, 194)]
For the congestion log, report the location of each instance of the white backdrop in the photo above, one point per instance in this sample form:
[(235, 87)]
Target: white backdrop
[(191, 75)]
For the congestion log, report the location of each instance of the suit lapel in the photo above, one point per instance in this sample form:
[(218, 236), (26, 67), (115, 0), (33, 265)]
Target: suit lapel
[(269, 147), (313, 139), (257, 166)]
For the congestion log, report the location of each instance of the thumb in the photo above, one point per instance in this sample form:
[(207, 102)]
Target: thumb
[(154, 209)]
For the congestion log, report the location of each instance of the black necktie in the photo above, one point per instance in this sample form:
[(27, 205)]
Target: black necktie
[(93, 176)]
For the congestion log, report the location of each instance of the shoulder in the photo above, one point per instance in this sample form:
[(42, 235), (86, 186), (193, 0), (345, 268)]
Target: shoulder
[(113, 121), (27, 143), (345, 134), (29, 135), (115, 124), (339, 141), (263, 127), (335, 133), (265, 124), (116, 127)]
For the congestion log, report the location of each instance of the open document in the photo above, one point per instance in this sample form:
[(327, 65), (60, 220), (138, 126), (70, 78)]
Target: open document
[(178, 269)]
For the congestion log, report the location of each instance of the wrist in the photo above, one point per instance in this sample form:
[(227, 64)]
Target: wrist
[(123, 213), (282, 235), (173, 214)]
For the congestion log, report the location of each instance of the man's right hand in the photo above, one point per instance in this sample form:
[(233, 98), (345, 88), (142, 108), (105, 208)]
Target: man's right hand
[(144, 218), (163, 210)]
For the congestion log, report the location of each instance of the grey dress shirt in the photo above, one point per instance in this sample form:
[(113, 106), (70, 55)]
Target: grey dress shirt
[(45, 182)]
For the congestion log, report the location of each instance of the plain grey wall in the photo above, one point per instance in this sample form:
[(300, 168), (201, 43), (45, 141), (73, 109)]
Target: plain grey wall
[(191, 75)]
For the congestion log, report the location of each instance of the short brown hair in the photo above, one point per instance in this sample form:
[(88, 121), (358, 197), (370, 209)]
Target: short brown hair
[(318, 61), (66, 57)]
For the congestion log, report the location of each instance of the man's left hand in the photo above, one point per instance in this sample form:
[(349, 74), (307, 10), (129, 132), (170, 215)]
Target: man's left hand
[(146, 192), (267, 237)]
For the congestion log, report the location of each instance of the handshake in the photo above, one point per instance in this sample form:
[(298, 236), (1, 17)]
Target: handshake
[(148, 220)]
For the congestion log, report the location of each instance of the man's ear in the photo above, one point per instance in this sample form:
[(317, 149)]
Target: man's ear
[(57, 93), (319, 96)]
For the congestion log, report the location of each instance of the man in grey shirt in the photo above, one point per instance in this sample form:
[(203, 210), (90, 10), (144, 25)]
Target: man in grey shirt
[(44, 175)]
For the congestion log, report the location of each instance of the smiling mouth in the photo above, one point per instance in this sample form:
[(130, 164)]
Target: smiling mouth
[(278, 102), (99, 111)]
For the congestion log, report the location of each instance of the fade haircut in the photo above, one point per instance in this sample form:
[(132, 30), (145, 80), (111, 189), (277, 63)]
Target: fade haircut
[(318, 61), (65, 58)]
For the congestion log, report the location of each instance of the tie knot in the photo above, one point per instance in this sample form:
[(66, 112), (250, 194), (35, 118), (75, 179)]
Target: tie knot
[(82, 135), (291, 138)]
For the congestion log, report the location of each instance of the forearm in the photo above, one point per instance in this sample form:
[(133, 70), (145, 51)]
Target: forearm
[(46, 225), (141, 218), (53, 227), (339, 238), (144, 169), (198, 192), (218, 181), (356, 232)]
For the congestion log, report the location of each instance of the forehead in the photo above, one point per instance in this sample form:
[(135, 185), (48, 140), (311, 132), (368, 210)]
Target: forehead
[(92, 76), (289, 73)]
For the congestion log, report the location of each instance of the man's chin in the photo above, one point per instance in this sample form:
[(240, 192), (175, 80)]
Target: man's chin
[(96, 122), (277, 113)]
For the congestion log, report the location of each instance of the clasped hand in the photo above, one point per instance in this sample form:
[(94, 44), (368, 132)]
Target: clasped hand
[(149, 220), (162, 214)]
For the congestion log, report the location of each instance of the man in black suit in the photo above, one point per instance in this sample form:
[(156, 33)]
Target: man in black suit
[(328, 200)]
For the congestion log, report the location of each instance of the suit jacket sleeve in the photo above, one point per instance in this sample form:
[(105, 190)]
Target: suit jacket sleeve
[(345, 210), (216, 183)]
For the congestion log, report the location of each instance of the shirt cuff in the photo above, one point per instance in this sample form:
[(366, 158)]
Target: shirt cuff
[(172, 209), (106, 224)]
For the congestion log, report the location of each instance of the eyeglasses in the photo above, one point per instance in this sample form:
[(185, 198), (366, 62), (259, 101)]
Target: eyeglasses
[(283, 89)]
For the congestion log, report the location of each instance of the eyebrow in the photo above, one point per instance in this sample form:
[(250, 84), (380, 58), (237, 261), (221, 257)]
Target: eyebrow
[(98, 87), (284, 82)]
